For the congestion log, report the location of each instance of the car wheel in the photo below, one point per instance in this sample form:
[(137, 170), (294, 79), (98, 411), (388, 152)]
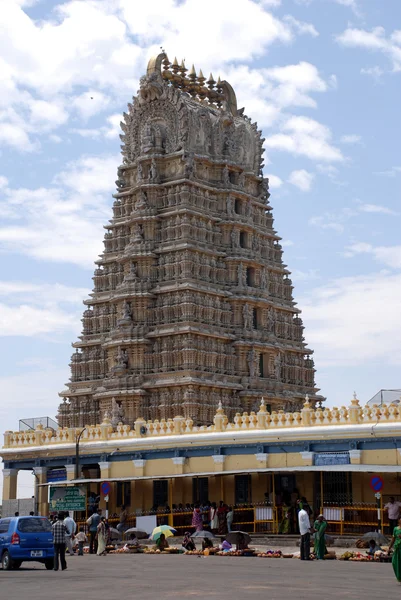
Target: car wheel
[(6, 562), (17, 564), (49, 564)]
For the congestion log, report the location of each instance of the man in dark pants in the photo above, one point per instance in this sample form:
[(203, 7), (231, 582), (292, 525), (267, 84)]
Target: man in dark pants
[(304, 528), (393, 509), (59, 532), (93, 522)]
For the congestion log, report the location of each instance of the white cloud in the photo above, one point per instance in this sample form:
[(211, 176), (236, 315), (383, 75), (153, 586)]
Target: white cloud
[(375, 40), (109, 131), (351, 138), (390, 172), (327, 221), (300, 26), (28, 321), (90, 103), (387, 255), (61, 223), (375, 72), (352, 320), (306, 137), (301, 179), (3, 181), (274, 181), (375, 208), (30, 309)]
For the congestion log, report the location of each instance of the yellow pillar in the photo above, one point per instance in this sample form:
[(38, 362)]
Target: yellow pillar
[(10, 484), (41, 491), (70, 469)]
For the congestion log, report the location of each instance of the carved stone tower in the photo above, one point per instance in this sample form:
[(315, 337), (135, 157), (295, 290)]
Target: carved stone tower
[(192, 304)]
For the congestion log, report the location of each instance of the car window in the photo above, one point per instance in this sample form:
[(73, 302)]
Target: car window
[(34, 525), (4, 525)]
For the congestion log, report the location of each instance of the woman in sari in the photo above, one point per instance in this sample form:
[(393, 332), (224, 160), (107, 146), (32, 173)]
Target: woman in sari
[(197, 518), (214, 522), (285, 520), (396, 544), (222, 519), (320, 527), (101, 537)]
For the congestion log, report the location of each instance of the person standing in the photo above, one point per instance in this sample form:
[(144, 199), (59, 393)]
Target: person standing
[(93, 522), (197, 520), (393, 509), (304, 529), (59, 533), (320, 527), (81, 539), (396, 544), (222, 517), (214, 522), (71, 528), (101, 537), (230, 518)]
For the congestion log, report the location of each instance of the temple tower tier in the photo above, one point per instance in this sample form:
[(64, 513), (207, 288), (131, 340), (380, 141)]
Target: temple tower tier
[(192, 304)]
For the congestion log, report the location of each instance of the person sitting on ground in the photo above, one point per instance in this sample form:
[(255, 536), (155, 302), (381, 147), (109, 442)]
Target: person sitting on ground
[(373, 547), (188, 542), (241, 542), (225, 546), (207, 543), (162, 543)]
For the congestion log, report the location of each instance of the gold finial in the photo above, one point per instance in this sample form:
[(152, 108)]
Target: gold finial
[(175, 62), (192, 73), (211, 81)]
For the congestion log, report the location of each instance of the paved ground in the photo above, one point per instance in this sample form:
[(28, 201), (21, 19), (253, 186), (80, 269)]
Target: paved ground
[(212, 577)]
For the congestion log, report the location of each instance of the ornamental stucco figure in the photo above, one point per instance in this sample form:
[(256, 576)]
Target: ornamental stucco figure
[(174, 290)]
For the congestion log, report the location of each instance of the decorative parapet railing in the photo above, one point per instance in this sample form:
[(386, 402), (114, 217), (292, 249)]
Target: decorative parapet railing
[(262, 420)]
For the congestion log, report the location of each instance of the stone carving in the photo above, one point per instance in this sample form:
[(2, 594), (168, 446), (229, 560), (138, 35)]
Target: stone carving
[(253, 362), (137, 234), (230, 205), (277, 366), (189, 168), (142, 201), (117, 413), (263, 279), (226, 176), (169, 291), (153, 172), (247, 316), (139, 176), (122, 358), (151, 88)]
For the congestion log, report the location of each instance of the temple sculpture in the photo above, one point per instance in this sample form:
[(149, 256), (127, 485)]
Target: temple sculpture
[(192, 304)]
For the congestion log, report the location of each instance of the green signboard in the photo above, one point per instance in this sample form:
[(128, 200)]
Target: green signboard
[(67, 498)]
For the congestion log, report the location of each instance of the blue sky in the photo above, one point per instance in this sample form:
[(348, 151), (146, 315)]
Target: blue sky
[(321, 77)]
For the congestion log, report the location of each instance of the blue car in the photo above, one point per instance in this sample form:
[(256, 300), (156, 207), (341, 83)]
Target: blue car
[(25, 539)]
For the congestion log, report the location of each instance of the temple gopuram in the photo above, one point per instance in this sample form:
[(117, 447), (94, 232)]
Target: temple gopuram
[(192, 304)]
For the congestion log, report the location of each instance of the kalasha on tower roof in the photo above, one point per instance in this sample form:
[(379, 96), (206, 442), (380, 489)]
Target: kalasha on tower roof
[(192, 305)]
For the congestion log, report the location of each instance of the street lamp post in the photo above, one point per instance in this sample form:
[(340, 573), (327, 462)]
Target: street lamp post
[(77, 440)]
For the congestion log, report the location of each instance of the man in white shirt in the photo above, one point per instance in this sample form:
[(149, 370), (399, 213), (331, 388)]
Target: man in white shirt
[(304, 528), (71, 528), (393, 509)]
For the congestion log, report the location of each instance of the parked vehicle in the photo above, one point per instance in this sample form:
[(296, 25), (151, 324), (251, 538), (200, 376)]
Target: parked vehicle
[(26, 539)]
